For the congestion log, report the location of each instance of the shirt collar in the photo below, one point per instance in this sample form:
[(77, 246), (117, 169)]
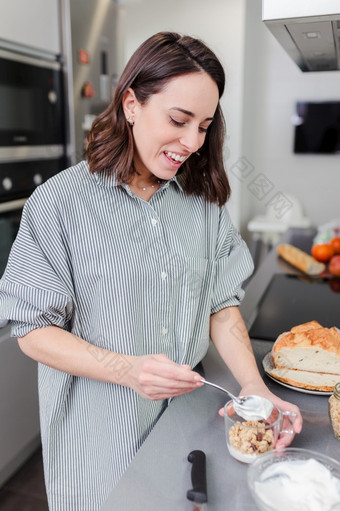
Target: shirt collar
[(109, 179)]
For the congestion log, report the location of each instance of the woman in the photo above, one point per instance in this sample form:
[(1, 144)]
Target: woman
[(125, 266)]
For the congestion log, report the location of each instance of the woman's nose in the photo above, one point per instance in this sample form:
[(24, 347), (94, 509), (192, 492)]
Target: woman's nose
[(192, 140)]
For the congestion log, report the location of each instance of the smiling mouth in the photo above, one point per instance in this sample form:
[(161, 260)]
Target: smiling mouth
[(177, 158)]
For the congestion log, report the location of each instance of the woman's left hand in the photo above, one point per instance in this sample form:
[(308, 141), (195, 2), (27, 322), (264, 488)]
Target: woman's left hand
[(261, 390)]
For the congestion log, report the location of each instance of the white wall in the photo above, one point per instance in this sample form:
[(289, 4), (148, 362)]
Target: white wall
[(273, 84), (220, 24)]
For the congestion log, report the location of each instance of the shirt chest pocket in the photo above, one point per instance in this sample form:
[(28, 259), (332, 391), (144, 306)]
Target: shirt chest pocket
[(191, 275)]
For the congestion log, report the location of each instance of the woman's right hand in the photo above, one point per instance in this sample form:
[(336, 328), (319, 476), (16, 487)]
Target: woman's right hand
[(157, 377)]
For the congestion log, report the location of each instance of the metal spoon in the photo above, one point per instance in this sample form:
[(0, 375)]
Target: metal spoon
[(236, 399), (248, 407)]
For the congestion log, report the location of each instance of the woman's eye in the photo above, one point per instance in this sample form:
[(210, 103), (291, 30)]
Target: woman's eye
[(180, 124), (176, 123)]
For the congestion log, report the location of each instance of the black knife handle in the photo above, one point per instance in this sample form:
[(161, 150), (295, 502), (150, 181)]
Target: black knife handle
[(198, 477)]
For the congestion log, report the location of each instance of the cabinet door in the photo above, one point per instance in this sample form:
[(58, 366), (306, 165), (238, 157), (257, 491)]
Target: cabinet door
[(33, 23), (19, 411)]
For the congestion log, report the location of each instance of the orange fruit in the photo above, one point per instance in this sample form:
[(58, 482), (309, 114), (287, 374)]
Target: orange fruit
[(322, 252), (335, 243), (334, 265)]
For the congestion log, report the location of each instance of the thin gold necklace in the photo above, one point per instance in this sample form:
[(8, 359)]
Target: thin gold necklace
[(146, 187)]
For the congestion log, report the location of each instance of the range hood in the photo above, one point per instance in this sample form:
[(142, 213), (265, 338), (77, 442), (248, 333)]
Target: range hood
[(309, 31)]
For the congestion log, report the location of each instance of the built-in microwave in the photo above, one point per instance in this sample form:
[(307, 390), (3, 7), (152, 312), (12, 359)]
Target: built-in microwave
[(32, 122)]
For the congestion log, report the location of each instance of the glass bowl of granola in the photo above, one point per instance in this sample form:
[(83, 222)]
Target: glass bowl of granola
[(246, 439)]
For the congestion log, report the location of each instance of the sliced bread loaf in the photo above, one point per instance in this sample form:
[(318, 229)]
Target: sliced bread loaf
[(306, 379), (308, 347)]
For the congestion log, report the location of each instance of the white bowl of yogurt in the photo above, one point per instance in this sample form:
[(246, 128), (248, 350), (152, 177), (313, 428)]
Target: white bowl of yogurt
[(295, 479)]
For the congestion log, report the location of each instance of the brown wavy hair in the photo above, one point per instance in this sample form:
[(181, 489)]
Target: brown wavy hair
[(162, 57)]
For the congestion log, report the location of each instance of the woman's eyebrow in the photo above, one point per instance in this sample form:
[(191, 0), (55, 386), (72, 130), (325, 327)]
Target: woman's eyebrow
[(187, 112)]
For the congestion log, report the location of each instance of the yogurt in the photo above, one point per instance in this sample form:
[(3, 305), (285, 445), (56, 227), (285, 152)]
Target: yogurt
[(254, 408), (299, 485), (241, 456)]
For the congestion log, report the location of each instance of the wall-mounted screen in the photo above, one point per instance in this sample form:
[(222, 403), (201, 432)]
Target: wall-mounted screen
[(317, 127)]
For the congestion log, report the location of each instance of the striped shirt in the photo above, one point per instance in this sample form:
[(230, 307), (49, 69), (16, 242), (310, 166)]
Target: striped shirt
[(127, 275)]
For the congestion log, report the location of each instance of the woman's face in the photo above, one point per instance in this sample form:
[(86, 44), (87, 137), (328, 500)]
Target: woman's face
[(172, 124)]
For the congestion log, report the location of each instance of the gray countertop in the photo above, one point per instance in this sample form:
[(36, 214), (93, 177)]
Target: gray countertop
[(159, 476)]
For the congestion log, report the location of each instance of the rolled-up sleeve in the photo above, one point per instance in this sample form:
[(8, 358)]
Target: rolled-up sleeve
[(234, 265), (35, 290)]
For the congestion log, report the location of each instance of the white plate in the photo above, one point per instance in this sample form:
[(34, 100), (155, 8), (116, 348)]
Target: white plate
[(267, 364)]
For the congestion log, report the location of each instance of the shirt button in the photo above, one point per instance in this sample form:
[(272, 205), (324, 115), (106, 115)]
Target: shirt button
[(164, 275), (154, 221), (164, 330)]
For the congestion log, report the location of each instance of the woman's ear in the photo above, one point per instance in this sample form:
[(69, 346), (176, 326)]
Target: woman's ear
[(129, 105)]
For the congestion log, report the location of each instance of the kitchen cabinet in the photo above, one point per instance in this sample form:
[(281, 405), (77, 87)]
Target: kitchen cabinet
[(160, 474), (35, 23), (19, 411)]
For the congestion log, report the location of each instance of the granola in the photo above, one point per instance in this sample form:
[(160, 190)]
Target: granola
[(251, 440)]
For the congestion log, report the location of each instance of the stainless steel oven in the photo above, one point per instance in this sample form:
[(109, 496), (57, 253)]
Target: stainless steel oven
[(32, 121)]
